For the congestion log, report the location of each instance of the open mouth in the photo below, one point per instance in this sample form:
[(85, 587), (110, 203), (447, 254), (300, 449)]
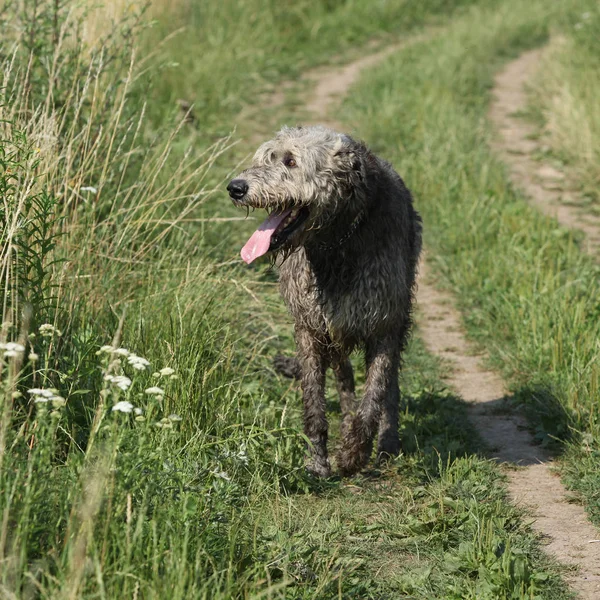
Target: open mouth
[(277, 229)]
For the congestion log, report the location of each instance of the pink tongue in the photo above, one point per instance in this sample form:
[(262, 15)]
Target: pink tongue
[(260, 241)]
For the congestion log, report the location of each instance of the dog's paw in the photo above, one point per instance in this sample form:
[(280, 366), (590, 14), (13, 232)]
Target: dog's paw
[(288, 366), (321, 469), (354, 455), (388, 448)]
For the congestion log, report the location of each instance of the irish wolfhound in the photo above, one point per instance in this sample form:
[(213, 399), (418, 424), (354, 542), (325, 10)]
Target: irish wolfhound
[(342, 222)]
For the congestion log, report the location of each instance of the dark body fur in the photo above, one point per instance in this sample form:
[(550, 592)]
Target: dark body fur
[(348, 280)]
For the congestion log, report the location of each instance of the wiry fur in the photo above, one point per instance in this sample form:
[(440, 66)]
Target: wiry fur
[(343, 293)]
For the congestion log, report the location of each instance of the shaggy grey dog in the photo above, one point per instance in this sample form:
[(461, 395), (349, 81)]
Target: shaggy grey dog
[(347, 238)]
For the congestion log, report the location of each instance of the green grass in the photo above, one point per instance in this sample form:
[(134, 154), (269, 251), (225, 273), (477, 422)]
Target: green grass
[(108, 234), (564, 99), (225, 53), (528, 294)]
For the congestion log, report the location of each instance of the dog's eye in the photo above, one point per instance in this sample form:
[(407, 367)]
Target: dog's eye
[(290, 161)]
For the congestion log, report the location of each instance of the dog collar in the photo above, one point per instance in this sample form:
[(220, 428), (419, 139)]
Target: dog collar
[(351, 229)]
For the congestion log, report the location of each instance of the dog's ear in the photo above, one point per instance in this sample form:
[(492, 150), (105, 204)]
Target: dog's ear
[(347, 155)]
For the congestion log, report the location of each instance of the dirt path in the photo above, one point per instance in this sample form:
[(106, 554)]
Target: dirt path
[(545, 186), (532, 483)]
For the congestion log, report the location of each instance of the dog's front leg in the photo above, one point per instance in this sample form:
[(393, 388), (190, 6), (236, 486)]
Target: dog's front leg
[(313, 363), (382, 359)]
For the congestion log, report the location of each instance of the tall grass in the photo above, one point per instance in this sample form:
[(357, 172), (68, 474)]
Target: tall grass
[(565, 94), (98, 250)]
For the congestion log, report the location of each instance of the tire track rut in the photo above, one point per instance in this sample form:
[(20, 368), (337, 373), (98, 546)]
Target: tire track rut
[(544, 185)]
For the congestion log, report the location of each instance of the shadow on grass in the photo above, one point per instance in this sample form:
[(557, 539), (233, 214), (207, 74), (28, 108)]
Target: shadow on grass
[(551, 424), (526, 428)]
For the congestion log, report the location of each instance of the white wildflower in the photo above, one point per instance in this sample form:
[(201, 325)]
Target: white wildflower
[(155, 391), (123, 406), (16, 394), (41, 392), (586, 15), (156, 375), (105, 350), (137, 362), (14, 346), (166, 371), (42, 396), (12, 349), (88, 188), (48, 330), (137, 410), (33, 357), (175, 418), (121, 351), (221, 475), (121, 381)]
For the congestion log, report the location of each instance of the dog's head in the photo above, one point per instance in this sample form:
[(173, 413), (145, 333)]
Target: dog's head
[(304, 177)]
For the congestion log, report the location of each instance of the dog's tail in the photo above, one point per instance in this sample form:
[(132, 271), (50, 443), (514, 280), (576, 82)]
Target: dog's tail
[(288, 366)]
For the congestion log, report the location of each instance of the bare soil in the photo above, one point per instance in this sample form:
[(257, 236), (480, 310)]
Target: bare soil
[(569, 536), (546, 187)]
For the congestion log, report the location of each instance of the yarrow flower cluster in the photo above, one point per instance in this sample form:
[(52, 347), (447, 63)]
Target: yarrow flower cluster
[(113, 350), (155, 391), (165, 372), (137, 362), (167, 422), (121, 381), (42, 396), (123, 406), (12, 349), (48, 330)]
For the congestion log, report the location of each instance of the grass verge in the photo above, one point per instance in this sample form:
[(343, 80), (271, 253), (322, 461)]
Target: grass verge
[(564, 99)]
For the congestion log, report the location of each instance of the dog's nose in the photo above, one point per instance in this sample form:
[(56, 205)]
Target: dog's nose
[(237, 188)]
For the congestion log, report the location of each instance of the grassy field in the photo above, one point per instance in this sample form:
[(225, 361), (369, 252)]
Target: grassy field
[(146, 447)]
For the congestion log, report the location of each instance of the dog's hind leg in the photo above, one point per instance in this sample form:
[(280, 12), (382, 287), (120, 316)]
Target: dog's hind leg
[(382, 358), (344, 377), (313, 363), (388, 443)]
